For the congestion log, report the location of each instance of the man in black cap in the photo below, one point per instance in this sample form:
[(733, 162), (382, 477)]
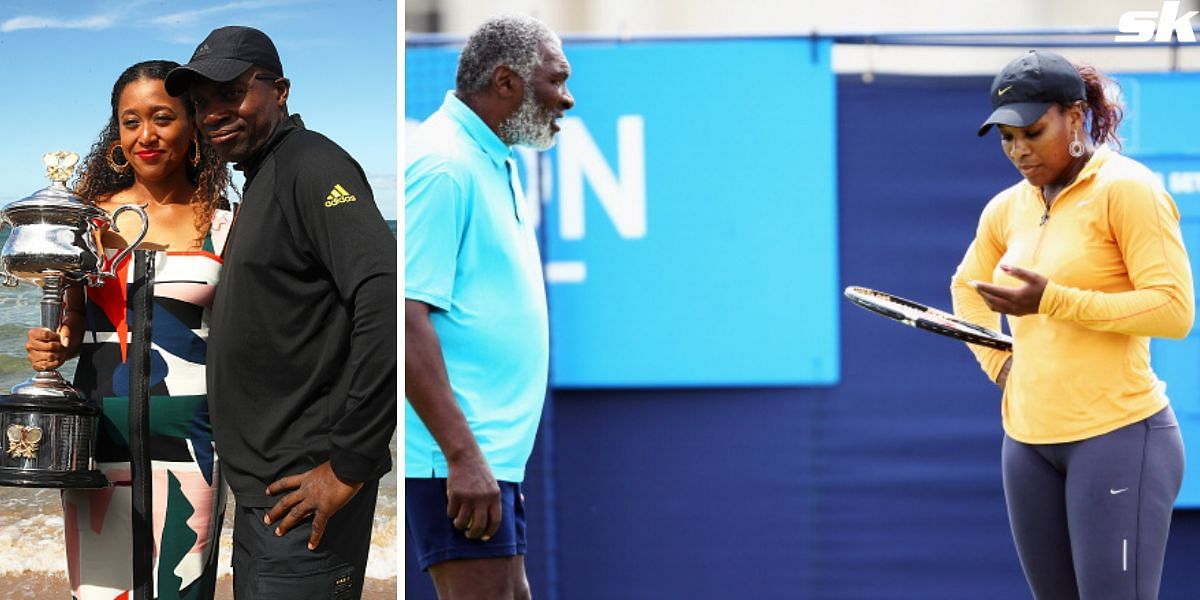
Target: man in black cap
[(302, 351)]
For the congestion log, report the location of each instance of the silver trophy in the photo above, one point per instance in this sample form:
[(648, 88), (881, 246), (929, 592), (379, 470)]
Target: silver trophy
[(50, 428)]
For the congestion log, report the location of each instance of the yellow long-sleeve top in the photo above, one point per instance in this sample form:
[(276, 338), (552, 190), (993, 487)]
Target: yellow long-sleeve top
[(1111, 247)]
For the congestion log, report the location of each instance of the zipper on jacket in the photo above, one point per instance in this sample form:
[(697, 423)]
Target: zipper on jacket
[(1046, 211), (1041, 231)]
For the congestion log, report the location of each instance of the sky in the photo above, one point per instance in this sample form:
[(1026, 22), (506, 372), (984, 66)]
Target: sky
[(58, 62)]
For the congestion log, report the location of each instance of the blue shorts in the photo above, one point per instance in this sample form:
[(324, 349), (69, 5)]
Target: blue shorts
[(433, 532)]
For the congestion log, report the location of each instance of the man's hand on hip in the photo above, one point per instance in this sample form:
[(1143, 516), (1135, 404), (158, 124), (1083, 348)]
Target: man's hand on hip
[(316, 493)]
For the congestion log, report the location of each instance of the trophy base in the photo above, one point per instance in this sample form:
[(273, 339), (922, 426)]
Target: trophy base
[(41, 479), (49, 442), (48, 385)]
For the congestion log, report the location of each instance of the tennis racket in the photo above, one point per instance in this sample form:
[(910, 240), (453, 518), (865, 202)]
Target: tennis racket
[(920, 316)]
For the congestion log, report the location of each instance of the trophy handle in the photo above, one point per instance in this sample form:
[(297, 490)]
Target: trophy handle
[(6, 280), (111, 268)]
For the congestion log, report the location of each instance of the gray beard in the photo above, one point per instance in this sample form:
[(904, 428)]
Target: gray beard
[(529, 126)]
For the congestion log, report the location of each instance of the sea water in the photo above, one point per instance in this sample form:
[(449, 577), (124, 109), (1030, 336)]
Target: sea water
[(31, 523)]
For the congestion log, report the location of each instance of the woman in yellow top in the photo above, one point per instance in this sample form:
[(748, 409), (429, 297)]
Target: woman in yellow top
[(1086, 259)]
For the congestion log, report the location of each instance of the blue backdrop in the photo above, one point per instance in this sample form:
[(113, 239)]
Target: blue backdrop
[(690, 219), (886, 485), (1165, 139)]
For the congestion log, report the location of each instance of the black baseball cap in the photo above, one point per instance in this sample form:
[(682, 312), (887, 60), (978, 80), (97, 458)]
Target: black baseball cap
[(1029, 85), (224, 55)]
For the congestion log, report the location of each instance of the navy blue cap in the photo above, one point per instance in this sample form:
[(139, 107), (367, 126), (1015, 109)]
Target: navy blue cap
[(1029, 85), (223, 56)]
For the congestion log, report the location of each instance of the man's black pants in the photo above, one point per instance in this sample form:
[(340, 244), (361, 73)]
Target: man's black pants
[(268, 567)]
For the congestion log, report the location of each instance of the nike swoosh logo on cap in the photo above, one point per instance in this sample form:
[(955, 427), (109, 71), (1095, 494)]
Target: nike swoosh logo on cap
[(1001, 92)]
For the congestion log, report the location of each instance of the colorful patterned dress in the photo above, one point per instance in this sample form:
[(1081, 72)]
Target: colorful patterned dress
[(189, 497)]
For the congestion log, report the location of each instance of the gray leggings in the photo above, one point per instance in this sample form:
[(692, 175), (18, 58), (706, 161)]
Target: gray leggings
[(1090, 518)]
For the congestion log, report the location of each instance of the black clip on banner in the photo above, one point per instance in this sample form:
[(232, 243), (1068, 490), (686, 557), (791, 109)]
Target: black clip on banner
[(142, 301)]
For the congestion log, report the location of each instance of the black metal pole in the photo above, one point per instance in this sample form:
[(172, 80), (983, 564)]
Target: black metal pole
[(142, 301)]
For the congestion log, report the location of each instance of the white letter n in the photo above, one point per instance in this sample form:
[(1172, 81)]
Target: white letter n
[(623, 199)]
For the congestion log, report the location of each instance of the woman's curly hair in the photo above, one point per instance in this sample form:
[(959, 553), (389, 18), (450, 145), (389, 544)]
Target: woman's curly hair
[(1104, 111), (96, 180)]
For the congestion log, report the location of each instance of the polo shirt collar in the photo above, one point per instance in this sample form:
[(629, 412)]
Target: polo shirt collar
[(479, 131)]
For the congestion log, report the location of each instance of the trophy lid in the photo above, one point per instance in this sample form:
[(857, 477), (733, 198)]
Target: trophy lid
[(58, 169)]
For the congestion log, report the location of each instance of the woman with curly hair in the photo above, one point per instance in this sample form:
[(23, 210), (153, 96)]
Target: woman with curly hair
[(1085, 257), (149, 154)]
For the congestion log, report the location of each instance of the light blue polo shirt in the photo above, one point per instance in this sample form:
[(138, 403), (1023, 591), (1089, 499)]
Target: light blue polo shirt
[(470, 253)]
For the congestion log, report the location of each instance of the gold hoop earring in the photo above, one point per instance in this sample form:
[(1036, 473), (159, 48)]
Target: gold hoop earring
[(196, 143), (112, 162)]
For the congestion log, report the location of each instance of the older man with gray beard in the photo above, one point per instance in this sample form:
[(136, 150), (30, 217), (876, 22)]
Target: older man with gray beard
[(475, 325)]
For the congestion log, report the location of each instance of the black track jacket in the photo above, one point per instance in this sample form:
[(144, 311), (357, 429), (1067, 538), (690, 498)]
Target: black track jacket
[(302, 338)]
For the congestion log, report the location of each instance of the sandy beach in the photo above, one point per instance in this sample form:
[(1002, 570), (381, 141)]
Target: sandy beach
[(35, 565), (32, 584)]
